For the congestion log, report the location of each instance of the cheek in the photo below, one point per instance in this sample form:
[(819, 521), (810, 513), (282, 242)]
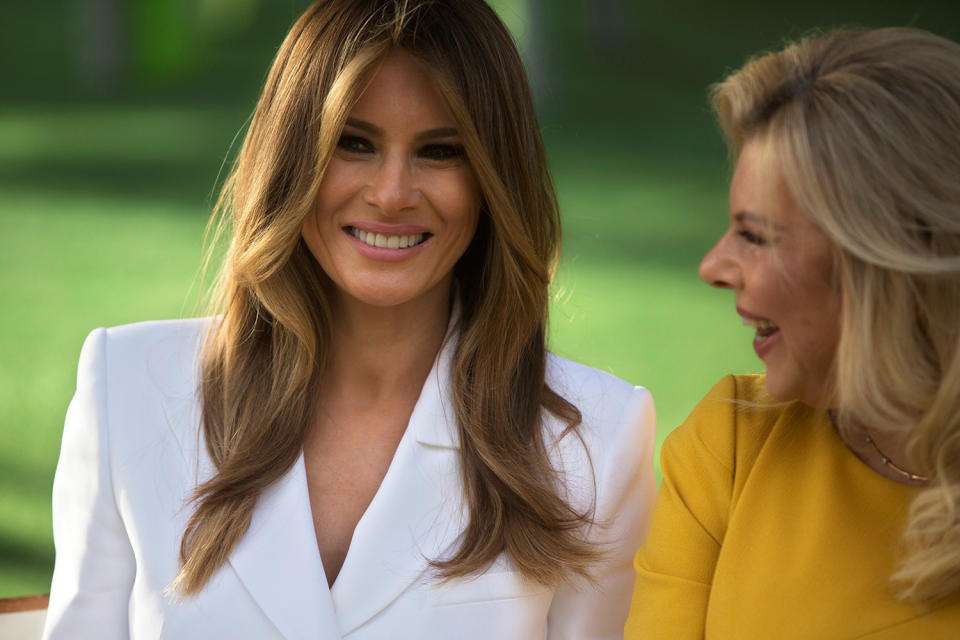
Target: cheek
[(830, 325), (340, 183), (473, 199), (817, 311), (310, 232), (459, 197)]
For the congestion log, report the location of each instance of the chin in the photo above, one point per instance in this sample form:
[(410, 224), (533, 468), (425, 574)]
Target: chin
[(390, 294), (780, 389), (779, 394), (789, 390), (384, 299)]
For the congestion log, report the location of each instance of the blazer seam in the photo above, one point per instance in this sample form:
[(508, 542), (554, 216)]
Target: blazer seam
[(105, 426)]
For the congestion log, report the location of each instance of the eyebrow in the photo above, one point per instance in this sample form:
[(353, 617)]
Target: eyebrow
[(429, 134), (755, 218)]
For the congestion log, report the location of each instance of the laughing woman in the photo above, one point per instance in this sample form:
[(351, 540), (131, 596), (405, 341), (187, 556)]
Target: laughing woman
[(823, 500), (370, 441)]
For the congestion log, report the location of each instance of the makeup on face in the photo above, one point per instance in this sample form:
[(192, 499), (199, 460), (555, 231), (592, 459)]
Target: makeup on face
[(779, 265), (399, 203)]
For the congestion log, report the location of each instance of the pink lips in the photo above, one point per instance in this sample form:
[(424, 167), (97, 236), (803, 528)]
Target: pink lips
[(743, 313), (384, 254), (762, 344)]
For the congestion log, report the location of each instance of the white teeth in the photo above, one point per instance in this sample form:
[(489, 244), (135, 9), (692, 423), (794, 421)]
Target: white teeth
[(758, 324), (386, 241)]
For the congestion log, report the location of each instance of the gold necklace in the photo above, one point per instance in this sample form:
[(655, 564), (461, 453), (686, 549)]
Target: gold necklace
[(885, 459)]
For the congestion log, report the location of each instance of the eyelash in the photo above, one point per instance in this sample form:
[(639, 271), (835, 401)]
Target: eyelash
[(437, 151), (441, 152), (752, 238), (354, 144)]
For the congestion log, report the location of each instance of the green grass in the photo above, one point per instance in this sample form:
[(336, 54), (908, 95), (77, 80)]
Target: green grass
[(102, 224), (102, 209), (103, 214), (68, 265)]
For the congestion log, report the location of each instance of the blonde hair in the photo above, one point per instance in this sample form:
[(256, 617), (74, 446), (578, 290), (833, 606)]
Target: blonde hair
[(867, 124), (264, 361)]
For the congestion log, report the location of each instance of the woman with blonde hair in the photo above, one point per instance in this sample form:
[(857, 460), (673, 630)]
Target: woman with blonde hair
[(370, 440), (822, 500)]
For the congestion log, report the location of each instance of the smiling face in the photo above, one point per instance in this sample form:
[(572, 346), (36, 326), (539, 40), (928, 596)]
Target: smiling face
[(779, 265), (398, 204)]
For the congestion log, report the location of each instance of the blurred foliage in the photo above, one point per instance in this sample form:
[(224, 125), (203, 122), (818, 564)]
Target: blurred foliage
[(116, 116)]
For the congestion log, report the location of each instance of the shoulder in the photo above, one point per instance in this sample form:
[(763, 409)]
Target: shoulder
[(607, 462), (137, 384), (618, 420), (602, 398), (131, 365), (731, 423), (143, 337), (152, 349)]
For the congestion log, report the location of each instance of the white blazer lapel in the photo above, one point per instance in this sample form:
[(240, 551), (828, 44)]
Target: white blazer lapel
[(277, 559), (417, 513), (278, 562)]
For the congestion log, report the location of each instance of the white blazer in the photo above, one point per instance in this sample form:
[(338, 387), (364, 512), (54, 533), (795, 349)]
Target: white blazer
[(132, 454)]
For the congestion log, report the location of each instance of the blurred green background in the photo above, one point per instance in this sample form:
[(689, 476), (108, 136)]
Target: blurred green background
[(116, 118)]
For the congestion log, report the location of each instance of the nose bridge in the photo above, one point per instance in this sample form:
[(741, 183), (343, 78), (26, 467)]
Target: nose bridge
[(720, 268), (392, 186)]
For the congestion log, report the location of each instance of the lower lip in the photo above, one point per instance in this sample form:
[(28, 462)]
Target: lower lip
[(763, 345), (382, 253)]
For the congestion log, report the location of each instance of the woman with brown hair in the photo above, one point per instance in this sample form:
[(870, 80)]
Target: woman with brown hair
[(822, 500), (370, 439)]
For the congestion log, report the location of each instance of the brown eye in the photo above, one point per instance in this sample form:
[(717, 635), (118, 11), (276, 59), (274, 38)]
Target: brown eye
[(354, 144), (441, 152)]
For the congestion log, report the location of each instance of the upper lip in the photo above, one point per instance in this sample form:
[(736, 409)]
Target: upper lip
[(389, 229), (749, 316)]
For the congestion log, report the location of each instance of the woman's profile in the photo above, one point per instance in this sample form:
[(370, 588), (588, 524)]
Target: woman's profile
[(367, 438), (822, 500)]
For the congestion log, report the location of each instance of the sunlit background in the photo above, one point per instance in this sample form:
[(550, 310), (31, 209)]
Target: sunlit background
[(116, 118)]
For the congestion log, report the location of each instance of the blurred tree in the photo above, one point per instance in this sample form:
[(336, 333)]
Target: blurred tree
[(148, 44), (608, 26), (525, 20), (227, 17), (168, 39), (103, 42)]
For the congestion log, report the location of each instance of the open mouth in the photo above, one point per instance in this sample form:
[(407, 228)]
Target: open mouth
[(387, 241), (766, 330)]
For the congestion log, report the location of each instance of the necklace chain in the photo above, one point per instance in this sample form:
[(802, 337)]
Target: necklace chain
[(885, 459)]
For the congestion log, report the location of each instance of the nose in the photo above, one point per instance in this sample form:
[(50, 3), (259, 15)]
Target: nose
[(391, 186), (719, 268)]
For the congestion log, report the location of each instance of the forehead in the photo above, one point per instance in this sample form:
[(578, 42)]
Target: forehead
[(402, 89), (760, 192), (758, 187)]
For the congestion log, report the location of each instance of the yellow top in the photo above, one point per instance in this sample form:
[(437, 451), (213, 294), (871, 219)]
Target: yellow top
[(768, 526)]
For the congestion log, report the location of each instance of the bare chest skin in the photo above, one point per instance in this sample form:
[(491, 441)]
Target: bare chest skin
[(347, 454), (371, 382)]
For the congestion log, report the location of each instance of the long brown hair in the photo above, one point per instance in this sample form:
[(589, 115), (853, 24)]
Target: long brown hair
[(264, 360), (867, 124)]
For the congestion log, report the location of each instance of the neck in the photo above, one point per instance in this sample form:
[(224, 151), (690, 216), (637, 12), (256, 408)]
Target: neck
[(384, 352)]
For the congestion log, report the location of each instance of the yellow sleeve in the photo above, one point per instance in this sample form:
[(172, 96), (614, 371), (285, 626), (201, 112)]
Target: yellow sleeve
[(675, 565)]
